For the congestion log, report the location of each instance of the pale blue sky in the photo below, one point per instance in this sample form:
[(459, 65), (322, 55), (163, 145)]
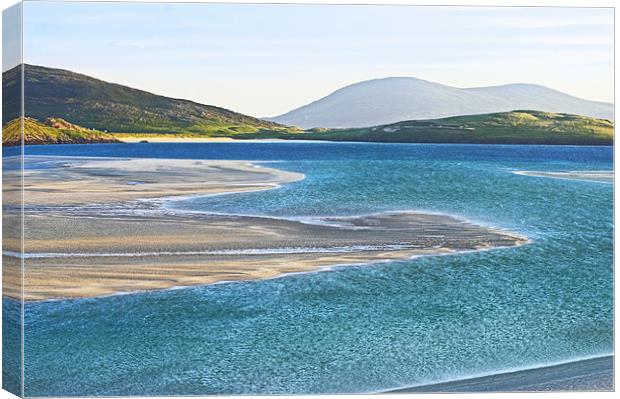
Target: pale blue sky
[(264, 60)]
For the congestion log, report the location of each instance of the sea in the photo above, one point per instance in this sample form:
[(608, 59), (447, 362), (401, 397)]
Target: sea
[(359, 328)]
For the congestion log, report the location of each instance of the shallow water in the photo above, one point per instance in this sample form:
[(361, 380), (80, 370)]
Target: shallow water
[(360, 328)]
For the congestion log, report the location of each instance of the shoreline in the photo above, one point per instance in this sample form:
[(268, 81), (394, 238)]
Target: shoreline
[(160, 139), (245, 249), (298, 140), (595, 176), (91, 180), (83, 253), (319, 269), (589, 374)]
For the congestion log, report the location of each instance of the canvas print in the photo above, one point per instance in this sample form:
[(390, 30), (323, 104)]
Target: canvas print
[(221, 199)]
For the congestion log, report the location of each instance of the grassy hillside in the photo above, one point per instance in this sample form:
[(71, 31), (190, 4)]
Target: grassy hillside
[(516, 127), (54, 131), (93, 103)]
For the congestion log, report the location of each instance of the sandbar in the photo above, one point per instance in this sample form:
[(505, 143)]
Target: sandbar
[(81, 239)]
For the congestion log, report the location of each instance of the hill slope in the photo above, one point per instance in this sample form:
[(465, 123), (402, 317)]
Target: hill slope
[(94, 103), (55, 131), (516, 127), (389, 100)]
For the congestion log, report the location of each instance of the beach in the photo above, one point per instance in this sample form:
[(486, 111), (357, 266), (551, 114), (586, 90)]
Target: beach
[(84, 237), (174, 138), (596, 374), (603, 176)]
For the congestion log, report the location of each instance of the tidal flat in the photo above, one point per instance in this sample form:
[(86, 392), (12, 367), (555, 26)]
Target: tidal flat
[(72, 250)]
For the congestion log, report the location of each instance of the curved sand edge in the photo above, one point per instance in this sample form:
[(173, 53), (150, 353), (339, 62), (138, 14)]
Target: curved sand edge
[(92, 255), (593, 374), (79, 181)]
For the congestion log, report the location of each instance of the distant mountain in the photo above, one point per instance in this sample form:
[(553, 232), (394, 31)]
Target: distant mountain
[(53, 131), (516, 127), (93, 103), (389, 100)]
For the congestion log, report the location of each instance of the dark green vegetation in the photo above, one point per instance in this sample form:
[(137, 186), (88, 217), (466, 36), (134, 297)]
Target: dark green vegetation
[(54, 131), (516, 127), (93, 103)]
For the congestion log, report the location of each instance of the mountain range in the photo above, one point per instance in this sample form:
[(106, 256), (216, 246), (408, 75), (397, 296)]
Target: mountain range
[(395, 99), (67, 107)]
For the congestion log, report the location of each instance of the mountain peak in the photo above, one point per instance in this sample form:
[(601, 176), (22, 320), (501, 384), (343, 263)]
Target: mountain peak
[(393, 99)]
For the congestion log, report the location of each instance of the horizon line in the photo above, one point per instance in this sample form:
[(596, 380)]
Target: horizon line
[(308, 103)]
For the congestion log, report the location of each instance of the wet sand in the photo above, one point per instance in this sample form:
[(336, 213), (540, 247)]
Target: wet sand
[(85, 253), (584, 375), (603, 176), (99, 180)]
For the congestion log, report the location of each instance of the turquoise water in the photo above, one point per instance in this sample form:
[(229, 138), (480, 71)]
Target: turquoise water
[(359, 328)]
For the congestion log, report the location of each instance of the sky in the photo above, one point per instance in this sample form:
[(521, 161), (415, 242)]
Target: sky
[(11, 37), (264, 60)]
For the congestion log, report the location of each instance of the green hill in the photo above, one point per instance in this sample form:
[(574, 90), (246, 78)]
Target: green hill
[(108, 107), (516, 127), (54, 131), (105, 106)]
